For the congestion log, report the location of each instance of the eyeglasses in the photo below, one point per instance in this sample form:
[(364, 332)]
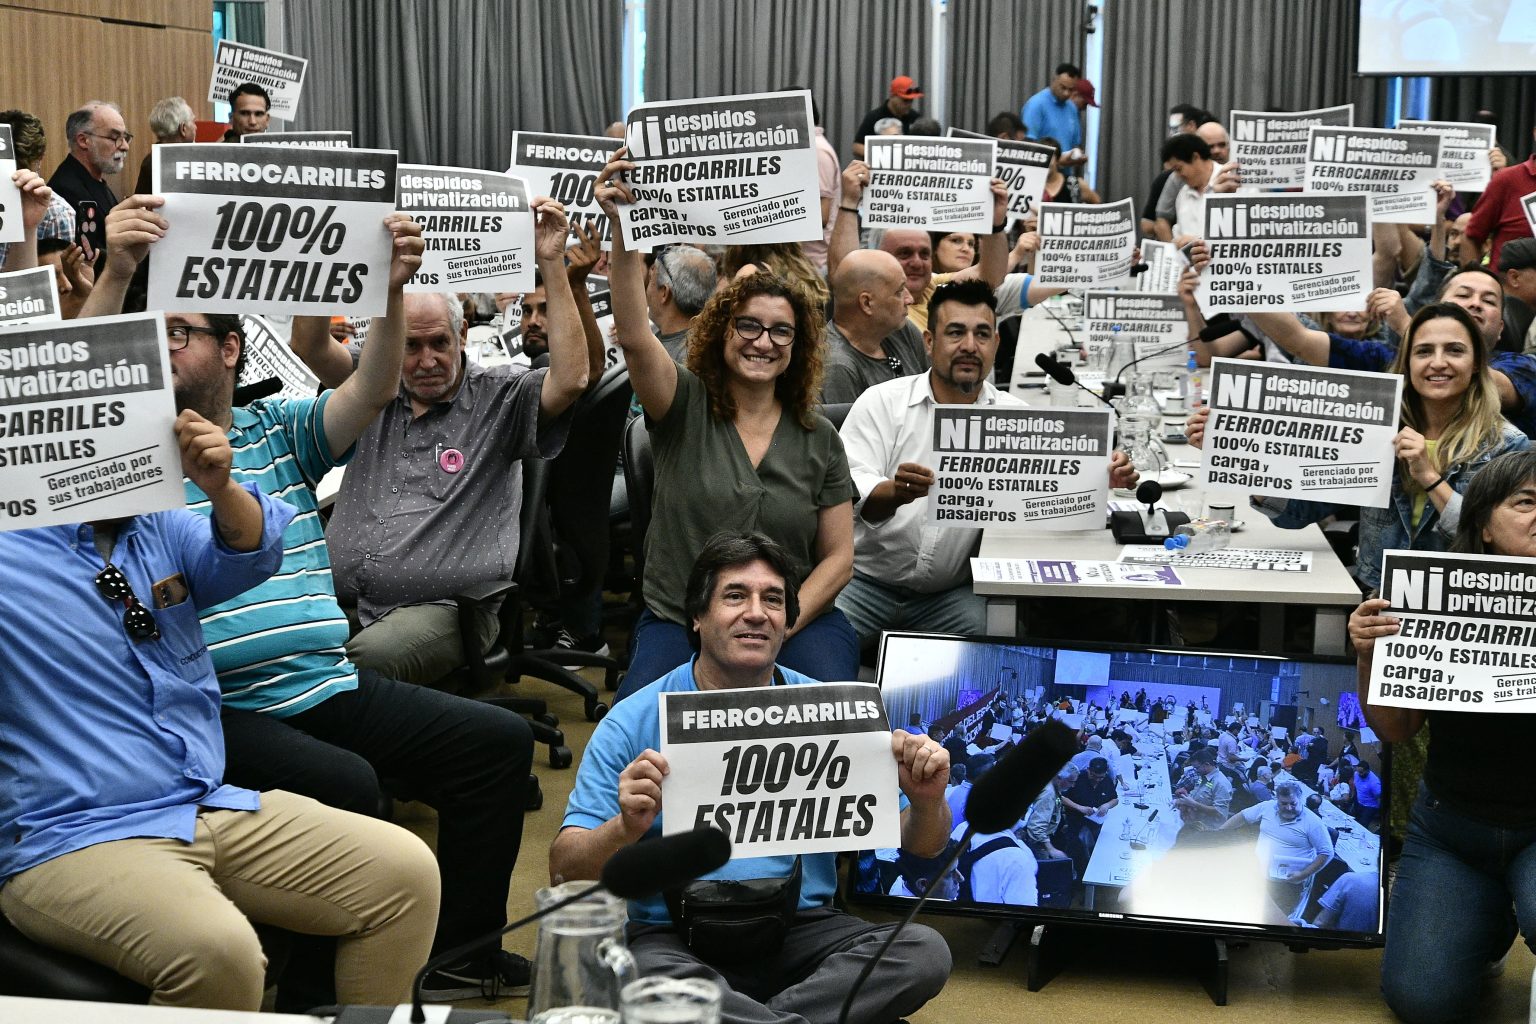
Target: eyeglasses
[(751, 330), (661, 266), (176, 338), (137, 619), (116, 138)]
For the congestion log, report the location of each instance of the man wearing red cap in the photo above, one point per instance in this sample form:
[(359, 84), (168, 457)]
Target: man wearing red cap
[(899, 104)]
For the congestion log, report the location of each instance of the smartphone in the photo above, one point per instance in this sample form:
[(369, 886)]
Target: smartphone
[(85, 223)]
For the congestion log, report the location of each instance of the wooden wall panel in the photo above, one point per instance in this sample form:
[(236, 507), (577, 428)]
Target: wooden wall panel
[(51, 61), (193, 14)]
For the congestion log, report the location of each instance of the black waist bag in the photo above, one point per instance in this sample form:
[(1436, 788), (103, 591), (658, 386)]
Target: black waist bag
[(726, 920)]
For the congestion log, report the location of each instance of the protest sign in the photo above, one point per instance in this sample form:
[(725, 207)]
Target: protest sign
[(1397, 170), (281, 74), (1165, 265), (601, 297), (565, 168), (781, 769), (1146, 327), (1464, 149), (1271, 149), (1297, 431), (267, 355), (86, 415), (1023, 166), (1296, 253), (732, 170), (28, 296), (927, 183), (273, 229), (478, 228), (1467, 636), (1085, 246), (1075, 573), (11, 227), (313, 140), (1020, 466), (1529, 205), (1271, 559)]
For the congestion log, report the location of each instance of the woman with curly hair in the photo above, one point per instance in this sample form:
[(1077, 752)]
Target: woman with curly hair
[(739, 446)]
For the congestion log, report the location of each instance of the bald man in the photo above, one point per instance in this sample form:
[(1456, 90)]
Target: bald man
[(869, 338)]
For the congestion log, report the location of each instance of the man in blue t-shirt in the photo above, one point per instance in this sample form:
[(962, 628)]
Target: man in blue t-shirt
[(741, 598), (1052, 113)]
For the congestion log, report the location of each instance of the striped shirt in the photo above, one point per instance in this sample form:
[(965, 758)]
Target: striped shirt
[(279, 648)]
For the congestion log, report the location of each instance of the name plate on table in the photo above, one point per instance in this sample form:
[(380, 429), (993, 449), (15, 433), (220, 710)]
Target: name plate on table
[(1272, 559)]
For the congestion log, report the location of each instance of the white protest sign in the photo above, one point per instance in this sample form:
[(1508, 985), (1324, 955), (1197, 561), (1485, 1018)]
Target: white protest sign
[(1165, 265), (478, 228), (601, 297), (1271, 149), (1464, 149), (1085, 246), (1301, 431), (1295, 253), (1397, 170), (87, 412), (1073, 573), (267, 355), (28, 296), (1467, 636), (1529, 204), (565, 168), (273, 229), (781, 769), (1024, 166), (1020, 467), (1151, 327), (731, 170), (11, 227), (928, 183), (281, 74), (313, 140)]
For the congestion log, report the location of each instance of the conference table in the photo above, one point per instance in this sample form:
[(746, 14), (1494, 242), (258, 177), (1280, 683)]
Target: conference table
[(1328, 587), (1139, 829)]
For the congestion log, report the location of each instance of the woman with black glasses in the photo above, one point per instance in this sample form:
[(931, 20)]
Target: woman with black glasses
[(739, 446)]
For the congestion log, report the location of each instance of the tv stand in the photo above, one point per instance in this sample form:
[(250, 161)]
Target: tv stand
[(1053, 946)]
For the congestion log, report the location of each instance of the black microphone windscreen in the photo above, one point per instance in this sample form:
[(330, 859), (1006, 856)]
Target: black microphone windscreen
[(1219, 328), (1058, 371), (646, 868), (1148, 491), (1004, 792), (1140, 268)]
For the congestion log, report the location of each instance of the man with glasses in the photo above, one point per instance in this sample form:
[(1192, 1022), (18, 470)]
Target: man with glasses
[(869, 338), (124, 842), (98, 145), (249, 106)]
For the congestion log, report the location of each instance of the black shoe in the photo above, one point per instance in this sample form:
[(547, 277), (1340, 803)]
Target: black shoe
[(568, 641), (502, 974)]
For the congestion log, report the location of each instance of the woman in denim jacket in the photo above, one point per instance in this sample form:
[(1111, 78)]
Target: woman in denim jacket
[(1451, 428)]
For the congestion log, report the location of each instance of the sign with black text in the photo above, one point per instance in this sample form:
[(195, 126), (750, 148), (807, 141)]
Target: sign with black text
[(781, 769), (477, 225), (1529, 205), (1165, 265), (1023, 166), (1467, 636), (268, 355), (1397, 169), (11, 227), (1464, 150), (273, 229), (1086, 246), (312, 140), (928, 183), (1286, 253), (1271, 149), (86, 415), (28, 296), (1150, 327), (728, 170), (1046, 469), (1301, 432), (565, 168), (281, 74)]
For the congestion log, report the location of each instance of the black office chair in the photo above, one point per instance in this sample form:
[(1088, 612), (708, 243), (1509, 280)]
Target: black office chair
[(836, 412), (640, 482)]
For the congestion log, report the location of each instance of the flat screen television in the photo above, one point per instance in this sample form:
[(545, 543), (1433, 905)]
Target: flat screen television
[(1296, 867), (1468, 37)]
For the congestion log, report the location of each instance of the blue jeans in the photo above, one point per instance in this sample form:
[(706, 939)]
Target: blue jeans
[(826, 648), (1462, 887), (873, 606)]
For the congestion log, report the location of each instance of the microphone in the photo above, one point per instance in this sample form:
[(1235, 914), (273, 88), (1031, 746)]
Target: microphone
[(633, 872), (1140, 268), (1061, 373), (998, 799), (1219, 327), (1150, 525)]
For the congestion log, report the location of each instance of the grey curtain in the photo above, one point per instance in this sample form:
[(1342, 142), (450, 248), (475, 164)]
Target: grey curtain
[(845, 51), (1001, 52), (447, 81), (1277, 55), (1512, 98)]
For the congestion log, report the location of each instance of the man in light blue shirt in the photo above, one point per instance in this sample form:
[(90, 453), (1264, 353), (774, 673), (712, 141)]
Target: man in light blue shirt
[(1052, 113)]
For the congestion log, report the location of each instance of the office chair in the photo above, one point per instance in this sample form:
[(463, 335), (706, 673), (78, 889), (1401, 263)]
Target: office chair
[(1053, 881)]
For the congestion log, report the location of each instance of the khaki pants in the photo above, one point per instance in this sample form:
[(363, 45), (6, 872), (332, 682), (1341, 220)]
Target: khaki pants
[(172, 916), (418, 643)]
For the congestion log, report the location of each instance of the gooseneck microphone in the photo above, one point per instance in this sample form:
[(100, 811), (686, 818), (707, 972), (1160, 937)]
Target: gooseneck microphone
[(1219, 326), (998, 799), (1061, 373)]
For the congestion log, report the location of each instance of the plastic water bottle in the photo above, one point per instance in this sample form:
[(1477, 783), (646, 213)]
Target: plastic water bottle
[(1194, 386), (1199, 535)]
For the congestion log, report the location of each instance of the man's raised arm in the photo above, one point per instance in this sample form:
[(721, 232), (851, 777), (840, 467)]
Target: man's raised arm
[(568, 362)]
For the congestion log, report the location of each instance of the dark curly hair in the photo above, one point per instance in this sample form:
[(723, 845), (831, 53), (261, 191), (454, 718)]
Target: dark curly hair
[(799, 386)]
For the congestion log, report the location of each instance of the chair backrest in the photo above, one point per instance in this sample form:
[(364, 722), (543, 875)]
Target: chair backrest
[(536, 574), (1053, 880), (640, 482), (836, 412)]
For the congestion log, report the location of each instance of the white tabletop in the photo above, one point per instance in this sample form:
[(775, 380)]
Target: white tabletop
[(17, 1010)]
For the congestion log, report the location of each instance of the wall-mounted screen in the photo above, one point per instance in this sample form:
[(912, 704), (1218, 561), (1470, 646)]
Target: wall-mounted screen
[(1447, 37)]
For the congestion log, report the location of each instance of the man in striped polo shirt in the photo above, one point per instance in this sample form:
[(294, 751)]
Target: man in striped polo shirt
[(297, 714)]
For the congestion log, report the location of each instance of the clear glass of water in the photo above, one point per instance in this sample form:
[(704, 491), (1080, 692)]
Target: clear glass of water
[(671, 1001)]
